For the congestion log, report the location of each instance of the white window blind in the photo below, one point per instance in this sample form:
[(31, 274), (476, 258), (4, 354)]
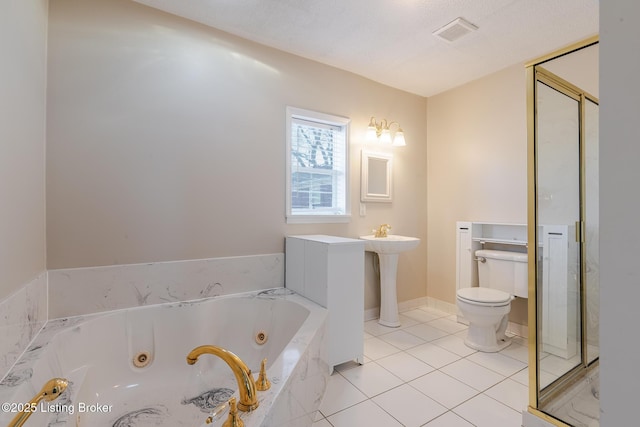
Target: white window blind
[(317, 164)]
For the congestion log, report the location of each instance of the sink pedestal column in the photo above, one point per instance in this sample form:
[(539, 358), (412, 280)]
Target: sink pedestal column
[(388, 296), (388, 249)]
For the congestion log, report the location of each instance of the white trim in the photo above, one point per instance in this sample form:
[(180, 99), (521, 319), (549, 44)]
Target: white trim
[(411, 304), (317, 219), (371, 314), (329, 119), (366, 195), (437, 304), (518, 329)]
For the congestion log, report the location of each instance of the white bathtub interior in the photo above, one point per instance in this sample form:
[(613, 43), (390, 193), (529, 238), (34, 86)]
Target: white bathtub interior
[(96, 353)]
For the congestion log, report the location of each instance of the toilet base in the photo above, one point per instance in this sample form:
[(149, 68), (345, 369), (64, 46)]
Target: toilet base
[(489, 339), (500, 345), (487, 326)]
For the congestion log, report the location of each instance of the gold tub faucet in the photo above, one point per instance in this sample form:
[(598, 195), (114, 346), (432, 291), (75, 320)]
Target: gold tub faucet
[(382, 230), (50, 391), (246, 384)]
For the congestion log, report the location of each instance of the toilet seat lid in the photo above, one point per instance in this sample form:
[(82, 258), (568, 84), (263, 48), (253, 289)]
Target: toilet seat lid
[(484, 295)]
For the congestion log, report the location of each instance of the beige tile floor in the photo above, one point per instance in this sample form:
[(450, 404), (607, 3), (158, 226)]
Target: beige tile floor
[(422, 374)]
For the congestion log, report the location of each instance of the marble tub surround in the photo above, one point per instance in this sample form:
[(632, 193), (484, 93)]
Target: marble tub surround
[(22, 315), (167, 392), (78, 291)]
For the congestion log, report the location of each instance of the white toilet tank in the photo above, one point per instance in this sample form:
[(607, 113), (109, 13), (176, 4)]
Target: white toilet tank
[(503, 270)]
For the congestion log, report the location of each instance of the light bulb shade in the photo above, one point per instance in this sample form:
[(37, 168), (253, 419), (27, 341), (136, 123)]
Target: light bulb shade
[(385, 137), (399, 141), (371, 135)]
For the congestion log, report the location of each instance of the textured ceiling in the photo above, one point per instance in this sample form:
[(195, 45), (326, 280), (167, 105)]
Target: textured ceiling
[(391, 41)]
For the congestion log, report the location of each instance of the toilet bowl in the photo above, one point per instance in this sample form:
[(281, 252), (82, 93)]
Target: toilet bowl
[(487, 312), (502, 276)]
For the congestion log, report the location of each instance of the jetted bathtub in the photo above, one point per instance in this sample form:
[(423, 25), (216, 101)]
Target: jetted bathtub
[(128, 368)]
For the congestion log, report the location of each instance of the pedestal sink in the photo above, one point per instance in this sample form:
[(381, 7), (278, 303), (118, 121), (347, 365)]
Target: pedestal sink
[(388, 249)]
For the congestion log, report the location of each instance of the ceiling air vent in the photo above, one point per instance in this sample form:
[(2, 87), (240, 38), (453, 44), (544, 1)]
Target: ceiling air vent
[(454, 30)]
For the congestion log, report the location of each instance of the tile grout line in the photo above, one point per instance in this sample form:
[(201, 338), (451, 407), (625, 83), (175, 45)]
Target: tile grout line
[(380, 333)]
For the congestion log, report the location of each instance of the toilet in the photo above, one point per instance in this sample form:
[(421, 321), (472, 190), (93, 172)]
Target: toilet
[(502, 276)]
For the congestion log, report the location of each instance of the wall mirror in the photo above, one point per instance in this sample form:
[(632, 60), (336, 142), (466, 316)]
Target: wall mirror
[(375, 179)]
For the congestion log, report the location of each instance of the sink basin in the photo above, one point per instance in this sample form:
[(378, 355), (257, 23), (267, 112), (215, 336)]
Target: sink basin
[(392, 244), (388, 250)]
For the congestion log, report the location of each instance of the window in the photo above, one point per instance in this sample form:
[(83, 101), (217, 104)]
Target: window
[(317, 167)]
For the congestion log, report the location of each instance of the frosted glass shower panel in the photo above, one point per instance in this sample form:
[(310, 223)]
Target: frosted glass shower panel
[(558, 185)]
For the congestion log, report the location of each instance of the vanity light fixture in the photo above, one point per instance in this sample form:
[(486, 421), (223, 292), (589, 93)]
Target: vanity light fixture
[(381, 132)]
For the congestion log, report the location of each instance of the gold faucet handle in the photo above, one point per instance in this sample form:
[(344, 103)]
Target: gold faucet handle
[(218, 412), (263, 382), (233, 420)]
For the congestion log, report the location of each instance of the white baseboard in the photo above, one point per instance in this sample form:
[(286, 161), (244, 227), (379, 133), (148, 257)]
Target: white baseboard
[(447, 307), (374, 313), (412, 303), (517, 329), (371, 314), (437, 304)]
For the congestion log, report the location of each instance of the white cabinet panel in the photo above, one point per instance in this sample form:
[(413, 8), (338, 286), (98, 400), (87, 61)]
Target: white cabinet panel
[(329, 270), (558, 293)]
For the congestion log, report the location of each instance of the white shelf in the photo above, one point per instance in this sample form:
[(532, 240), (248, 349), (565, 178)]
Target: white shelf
[(471, 236), (500, 241)]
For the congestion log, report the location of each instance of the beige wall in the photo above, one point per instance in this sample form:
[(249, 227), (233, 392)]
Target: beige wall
[(579, 68), (23, 28), (166, 141), (477, 168)]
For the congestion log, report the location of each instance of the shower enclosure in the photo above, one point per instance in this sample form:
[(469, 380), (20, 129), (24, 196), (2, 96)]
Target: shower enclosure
[(563, 236)]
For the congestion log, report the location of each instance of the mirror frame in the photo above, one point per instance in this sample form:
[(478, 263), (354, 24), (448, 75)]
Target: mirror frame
[(366, 195)]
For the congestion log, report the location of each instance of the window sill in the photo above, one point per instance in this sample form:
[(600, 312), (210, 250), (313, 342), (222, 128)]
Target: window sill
[(318, 219)]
